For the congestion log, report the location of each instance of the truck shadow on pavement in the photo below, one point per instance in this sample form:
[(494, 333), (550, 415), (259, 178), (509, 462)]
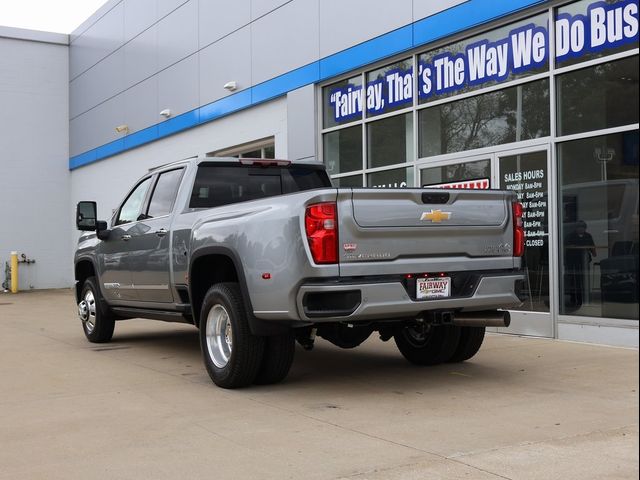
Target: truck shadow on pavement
[(370, 365), (175, 343), (373, 364)]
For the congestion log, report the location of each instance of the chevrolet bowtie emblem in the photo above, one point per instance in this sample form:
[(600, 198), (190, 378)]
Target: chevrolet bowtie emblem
[(436, 216)]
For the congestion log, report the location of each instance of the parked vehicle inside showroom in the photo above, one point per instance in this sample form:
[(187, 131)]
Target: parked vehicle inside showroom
[(260, 253)]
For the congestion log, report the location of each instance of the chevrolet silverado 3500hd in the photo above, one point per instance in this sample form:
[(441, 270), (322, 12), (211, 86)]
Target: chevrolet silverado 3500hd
[(260, 253)]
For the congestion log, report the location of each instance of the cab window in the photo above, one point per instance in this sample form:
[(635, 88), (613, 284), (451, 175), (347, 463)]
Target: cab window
[(164, 193), (132, 206)]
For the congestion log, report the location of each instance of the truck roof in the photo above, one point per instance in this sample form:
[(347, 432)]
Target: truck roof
[(198, 159)]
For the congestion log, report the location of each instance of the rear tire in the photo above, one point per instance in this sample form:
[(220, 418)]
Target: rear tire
[(433, 345), (470, 342), (278, 356), (231, 353), (97, 321)]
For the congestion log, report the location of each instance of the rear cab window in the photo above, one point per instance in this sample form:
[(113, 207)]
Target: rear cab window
[(223, 184)]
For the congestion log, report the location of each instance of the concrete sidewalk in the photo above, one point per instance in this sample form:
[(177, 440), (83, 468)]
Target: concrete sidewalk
[(143, 406)]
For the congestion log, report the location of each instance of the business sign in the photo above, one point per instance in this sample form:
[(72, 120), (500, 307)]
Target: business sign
[(525, 48), (528, 179)]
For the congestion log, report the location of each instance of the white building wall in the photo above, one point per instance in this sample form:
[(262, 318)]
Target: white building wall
[(107, 181), (34, 154)]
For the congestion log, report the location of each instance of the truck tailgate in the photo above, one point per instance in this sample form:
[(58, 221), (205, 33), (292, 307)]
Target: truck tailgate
[(409, 230)]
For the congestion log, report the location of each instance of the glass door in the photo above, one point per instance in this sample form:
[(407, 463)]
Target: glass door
[(526, 172)]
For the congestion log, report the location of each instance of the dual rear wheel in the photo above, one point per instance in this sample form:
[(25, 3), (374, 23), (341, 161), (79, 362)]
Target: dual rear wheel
[(431, 345), (233, 356)]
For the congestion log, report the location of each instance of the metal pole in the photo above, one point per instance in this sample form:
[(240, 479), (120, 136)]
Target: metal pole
[(14, 272)]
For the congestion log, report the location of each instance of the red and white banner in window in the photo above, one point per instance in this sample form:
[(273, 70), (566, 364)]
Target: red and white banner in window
[(477, 184)]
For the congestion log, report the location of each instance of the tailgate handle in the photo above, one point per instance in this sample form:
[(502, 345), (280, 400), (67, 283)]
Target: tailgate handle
[(435, 197)]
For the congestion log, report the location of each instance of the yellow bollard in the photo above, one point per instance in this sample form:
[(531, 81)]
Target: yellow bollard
[(14, 272)]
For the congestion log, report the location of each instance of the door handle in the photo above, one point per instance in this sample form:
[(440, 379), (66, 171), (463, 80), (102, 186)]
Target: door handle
[(125, 237), (161, 233)]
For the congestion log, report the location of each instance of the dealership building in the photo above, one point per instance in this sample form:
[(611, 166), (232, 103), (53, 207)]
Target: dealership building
[(532, 96)]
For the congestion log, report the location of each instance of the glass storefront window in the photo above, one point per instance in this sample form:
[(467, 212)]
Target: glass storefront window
[(343, 102), (390, 141), (460, 173), (390, 88), (598, 202), (586, 30), (504, 116), (583, 225), (397, 178), (350, 181), (598, 97), (269, 151), (503, 54), (343, 150)]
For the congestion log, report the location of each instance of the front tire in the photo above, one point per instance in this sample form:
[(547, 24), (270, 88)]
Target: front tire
[(97, 321), (231, 354), (430, 345)]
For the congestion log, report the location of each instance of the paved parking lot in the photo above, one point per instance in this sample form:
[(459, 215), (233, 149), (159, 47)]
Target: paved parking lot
[(144, 407)]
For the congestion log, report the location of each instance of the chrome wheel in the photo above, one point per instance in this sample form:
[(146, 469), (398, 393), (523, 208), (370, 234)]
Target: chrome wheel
[(87, 311), (219, 336)]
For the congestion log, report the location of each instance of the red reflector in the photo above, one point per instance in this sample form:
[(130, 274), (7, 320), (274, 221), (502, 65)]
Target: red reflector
[(322, 234), (264, 162), (518, 230), (266, 276)]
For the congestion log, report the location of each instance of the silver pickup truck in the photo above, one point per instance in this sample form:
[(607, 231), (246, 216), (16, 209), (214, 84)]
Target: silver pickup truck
[(260, 253)]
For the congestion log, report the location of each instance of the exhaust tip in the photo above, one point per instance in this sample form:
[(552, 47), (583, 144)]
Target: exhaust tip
[(507, 318), (485, 318)]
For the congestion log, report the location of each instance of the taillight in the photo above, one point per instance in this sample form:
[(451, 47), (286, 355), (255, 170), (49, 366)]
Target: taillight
[(320, 223), (518, 230)]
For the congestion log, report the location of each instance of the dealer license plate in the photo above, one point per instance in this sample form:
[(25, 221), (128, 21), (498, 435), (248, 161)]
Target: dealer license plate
[(433, 287)]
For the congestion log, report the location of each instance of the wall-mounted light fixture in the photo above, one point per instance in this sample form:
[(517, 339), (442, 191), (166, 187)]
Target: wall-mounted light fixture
[(231, 86), (122, 129), (166, 113)]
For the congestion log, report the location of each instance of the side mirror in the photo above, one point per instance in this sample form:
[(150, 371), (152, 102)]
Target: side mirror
[(86, 216), (87, 220)]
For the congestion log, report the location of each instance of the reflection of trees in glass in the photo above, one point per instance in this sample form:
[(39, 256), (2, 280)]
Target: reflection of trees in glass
[(467, 171), (598, 97), (510, 115)]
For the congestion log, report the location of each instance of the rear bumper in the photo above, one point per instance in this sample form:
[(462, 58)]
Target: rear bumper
[(388, 300)]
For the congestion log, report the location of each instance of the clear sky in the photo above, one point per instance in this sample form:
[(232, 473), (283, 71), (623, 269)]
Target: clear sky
[(61, 16)]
